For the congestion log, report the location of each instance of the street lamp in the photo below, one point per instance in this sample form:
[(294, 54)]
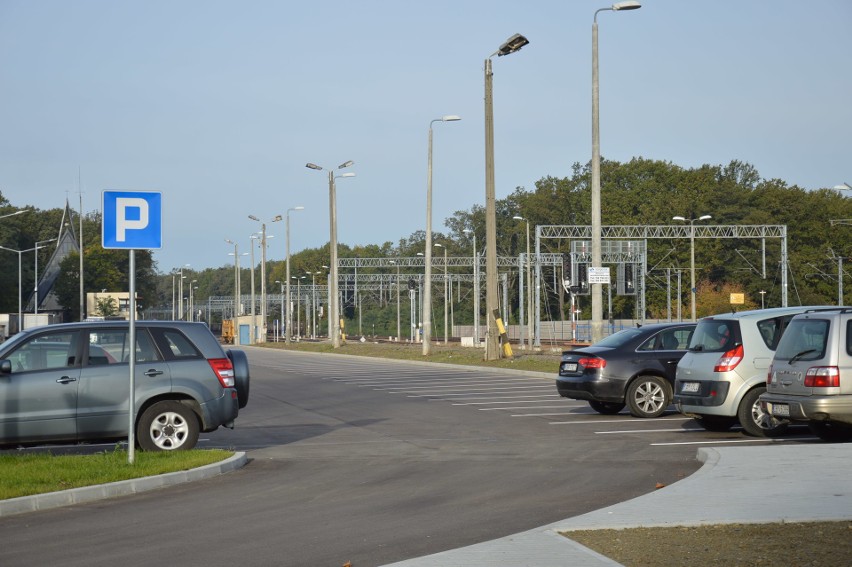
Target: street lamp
[(597, 260), (841, 187), (37, 246), (191, 300), (398, 322), (276, 218), (314, 303), (236, 281), (692, 254), (287, 238), (492, 352), (475, 287), (20, 289), (446, 336), (13, 214), (427, 293), (333, 318), (298, 303), (529, 286)]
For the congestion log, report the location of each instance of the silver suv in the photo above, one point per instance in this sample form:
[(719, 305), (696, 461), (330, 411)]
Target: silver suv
[(723, 373), (70, 383), (810, 379)]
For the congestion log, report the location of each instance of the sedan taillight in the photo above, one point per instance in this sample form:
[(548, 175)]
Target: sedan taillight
[(224, 371), (592, 362)]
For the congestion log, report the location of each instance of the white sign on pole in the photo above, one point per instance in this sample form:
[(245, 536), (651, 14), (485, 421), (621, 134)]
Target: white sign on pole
[(599, 275)]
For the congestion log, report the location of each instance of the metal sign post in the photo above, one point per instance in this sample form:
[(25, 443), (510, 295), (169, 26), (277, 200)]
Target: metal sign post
[(132, 220)]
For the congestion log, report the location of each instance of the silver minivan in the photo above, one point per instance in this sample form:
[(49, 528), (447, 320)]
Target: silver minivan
[(810, 380), (723, 373)]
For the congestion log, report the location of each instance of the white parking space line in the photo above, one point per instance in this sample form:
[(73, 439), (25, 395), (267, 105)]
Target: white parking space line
[(463, 385), (486, 398), (679, 430), (727, 441), (537, 414), (397, 380), (626, 419), (513, 408), (463, 392)]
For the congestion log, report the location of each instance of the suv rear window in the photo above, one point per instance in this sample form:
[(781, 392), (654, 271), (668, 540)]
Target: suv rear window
[(804, 339), (715, 335)]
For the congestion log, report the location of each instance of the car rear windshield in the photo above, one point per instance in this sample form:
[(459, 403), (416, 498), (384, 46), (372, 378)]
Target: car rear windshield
[(804, 339), (623, 336), (715, 335)]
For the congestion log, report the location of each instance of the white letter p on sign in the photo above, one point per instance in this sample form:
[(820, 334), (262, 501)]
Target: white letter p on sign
[(122, 223)]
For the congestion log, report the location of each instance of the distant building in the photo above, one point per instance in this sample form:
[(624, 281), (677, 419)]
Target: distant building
[(66, 243)]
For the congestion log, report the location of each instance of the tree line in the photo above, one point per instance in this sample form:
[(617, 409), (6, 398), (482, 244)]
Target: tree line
[(638, 192)]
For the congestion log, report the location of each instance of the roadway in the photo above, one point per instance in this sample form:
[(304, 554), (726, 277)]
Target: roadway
[(370, 462)]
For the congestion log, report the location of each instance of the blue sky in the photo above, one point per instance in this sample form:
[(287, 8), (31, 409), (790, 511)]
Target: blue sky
[(219, 105)]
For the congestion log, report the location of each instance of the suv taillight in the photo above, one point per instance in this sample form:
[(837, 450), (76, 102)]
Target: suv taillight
[(822, 377), (729, 360), (224, 371), (592, 362)]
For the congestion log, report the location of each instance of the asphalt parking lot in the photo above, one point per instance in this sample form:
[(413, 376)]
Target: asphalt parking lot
[(374, 461)]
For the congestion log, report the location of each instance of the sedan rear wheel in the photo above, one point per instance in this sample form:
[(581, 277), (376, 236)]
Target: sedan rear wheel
[(606, 408), (648, 396)]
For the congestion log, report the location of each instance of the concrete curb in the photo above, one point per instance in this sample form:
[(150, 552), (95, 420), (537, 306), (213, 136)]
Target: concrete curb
[(121, 488)]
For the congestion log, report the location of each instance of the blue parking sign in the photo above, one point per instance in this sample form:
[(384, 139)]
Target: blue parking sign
[(132, 220)]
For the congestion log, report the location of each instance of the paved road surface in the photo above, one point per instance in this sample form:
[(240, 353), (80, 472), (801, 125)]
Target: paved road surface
[(372, 462)]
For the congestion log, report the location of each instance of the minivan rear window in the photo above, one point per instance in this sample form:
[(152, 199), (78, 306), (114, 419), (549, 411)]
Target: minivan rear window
[(715, 335), (804, 339)]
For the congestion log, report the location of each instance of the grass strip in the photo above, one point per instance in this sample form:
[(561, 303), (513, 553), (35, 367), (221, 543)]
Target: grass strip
[(25, 474)]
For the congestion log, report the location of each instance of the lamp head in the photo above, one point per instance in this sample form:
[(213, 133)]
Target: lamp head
[(313, 166), (345, 164), (705, 217), (680, 218), (347, 175), (511, 45), (450, 118), (254, 218), (627, 5)]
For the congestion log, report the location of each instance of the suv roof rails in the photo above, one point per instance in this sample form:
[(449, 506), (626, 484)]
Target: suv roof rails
[(835, 308)]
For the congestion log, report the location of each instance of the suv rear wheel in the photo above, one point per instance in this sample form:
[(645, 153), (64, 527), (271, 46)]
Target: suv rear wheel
[(606, 408), (167, 426), (754, 420), (648, 396), (831, 431)]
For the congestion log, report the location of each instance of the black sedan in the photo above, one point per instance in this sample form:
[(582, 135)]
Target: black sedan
[(633, 367)]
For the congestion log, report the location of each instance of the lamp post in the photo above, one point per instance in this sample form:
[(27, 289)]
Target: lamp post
[(276, 218), (314, 303), (692, 255), (20, 289), (191, 302), (597, 260), (446, 294), (333, 318), (529, 286), (287, 279), (762, 295), (298, 303), (427, 292), (475, 287), (398, 321), (236, 282), (492, 352), (180, 292), (37, 246)]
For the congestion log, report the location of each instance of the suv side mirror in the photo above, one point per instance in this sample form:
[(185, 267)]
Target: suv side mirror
[(5, 366)]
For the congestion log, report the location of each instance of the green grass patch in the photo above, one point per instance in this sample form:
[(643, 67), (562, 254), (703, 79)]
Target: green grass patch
[(25, 474), (545, 360)]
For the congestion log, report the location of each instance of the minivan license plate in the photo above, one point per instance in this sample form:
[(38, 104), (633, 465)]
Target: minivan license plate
[(690, 387)]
